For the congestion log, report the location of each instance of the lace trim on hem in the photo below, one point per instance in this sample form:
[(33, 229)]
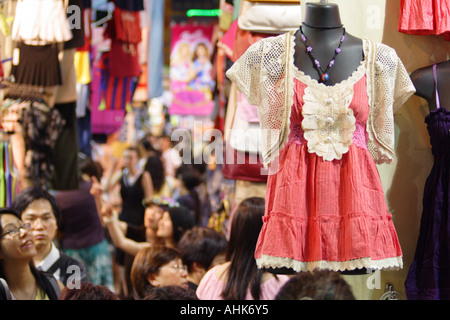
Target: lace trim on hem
[(267, 261)]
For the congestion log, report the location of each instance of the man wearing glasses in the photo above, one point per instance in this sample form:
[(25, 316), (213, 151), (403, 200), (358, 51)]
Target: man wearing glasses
[(39, 209)]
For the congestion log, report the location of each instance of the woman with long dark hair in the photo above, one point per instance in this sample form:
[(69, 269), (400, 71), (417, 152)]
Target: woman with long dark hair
[(162, 185), (239, 278), (17, 250)]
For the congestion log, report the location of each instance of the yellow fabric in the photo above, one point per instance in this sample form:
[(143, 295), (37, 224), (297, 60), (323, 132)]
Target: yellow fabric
[(41, 295), (118, 148), (82, 67)]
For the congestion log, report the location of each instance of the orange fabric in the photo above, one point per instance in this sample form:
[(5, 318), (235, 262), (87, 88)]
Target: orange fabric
[(425, 17), (245, 39)]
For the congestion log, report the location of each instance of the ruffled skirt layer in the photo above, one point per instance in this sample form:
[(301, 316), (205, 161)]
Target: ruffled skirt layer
[(327, 214)]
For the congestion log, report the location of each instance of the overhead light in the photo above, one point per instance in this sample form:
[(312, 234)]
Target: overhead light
[(203, 12)]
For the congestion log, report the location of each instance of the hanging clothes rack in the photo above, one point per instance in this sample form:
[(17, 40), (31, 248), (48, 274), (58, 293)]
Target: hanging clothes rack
[(25, 91), (8, 171)]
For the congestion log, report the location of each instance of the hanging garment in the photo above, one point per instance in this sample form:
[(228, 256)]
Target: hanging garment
[(425, 17), (67, 91), (242, 160), (243, 40), (2, 74), (130, 5), (41, 22), (75, 17), (155, 64), (103, 120), (242, 166), (85, 134), (87, 20), (127, 25), (429, 275), (13, 172), (8, 173), (41, 127), (116, 92), (325, 205), (226, 42), (82, 67), (36, 65), (141, 93), (65, 150), (2, 178), (123, 59), (272, 18)]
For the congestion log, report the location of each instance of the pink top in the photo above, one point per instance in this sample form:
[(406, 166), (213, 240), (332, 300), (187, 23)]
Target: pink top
[(211, 287), (425, 17), (327, 214)]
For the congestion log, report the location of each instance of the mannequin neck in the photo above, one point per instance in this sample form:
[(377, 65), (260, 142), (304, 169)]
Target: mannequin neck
[(322, 16)]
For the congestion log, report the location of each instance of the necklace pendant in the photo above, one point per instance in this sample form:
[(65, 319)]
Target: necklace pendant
[(325, 77)]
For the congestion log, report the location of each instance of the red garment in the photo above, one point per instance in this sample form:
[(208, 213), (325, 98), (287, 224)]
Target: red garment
[(1, 70), (87, 31), (245, 39), (242, 166), (425, 17), (124, 59), (115, 91), (327, 214), (127, 25)]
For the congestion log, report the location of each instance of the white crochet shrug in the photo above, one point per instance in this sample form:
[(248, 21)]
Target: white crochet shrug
[(265, 75)]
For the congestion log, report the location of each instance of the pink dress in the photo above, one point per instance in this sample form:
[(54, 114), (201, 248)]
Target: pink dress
[(425, 17), (327, 214)]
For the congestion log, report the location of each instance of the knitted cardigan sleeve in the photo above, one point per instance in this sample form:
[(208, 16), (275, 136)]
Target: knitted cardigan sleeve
[(265, 75), (389, 87)]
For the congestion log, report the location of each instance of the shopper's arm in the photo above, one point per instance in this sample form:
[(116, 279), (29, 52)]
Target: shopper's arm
[(117, 231)]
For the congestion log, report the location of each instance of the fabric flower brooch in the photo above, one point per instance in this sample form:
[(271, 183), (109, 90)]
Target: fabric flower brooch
[(328, 122)]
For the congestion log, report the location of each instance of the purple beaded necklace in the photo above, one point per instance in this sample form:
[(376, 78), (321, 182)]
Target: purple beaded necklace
[(325, 77)]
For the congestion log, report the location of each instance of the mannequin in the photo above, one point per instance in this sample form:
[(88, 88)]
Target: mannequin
[(325, 205), (424, 83), (427, 277), (323, 28)]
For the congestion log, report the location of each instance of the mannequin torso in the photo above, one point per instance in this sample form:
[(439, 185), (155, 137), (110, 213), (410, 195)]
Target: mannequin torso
[(425, 88), (323, 28)]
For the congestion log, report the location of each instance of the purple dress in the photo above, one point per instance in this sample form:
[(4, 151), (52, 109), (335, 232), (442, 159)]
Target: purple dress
[(429, 275)]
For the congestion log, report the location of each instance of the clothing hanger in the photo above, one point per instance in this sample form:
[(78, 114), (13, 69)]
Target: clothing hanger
[(13, 172), (2, 180), (109, 16), (4, 81), (102, 20), (8, 177)]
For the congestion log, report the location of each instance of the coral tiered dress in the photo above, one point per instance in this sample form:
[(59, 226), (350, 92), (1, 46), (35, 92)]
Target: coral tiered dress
[(325, 206)]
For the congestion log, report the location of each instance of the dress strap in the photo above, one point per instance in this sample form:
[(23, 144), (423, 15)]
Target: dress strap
[(436, 85)]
